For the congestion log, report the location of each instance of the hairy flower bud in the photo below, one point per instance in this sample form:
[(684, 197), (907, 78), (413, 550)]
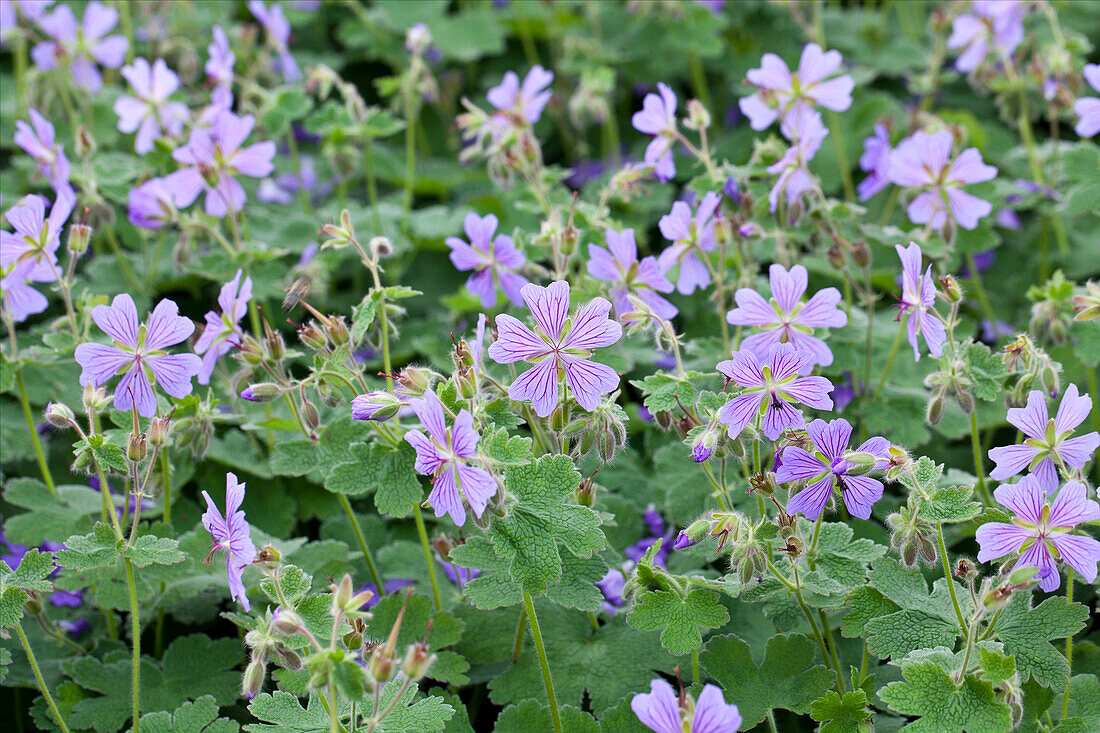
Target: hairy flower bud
[(253, 680), (417, 661), (380, 246), (951, 288), (136, 447), (377, 406), (835, 257), (59, 415), (935, 408), (261, 392), (341, 593), (698, 118), (286, 621), (79, 236), (85, 142), (159, 428), (310, 415), (702, 446)]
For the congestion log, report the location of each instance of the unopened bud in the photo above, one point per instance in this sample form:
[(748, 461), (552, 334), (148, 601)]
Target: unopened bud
[(85, 142), (698, 118), (341, 593), (288, 659), (79, 236), (158, 431), (702, 447), (59, 415), (376, 406), (935, 409), (414, 381), (417, 39), (861, 254), (310, 416), (313, 337), (380, 246), (261, 392), (965, 400), (253, 680), (835, 256), (286, 621), (353, 640), (136, 447), (951, 288), (417, 662), (381, 664)]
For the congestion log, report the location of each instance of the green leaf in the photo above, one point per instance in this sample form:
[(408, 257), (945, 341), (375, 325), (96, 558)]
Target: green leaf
[(680, 619), (838, 714), (841, 559), (281, 712), (663, 393), (511, 450), (200, 716), (294, 583), (786, 677), (532, 715), (1027, 634), (1084, 705), (987, 371), (530, 533), (925, 619), (16, 585), (865, 603), (49, 516), (110, 457), (303, 457), (929, 693), (950, 505), (996, 667), (386, 472), (99, 548), (285, 107), (148, 549), (446, 630)]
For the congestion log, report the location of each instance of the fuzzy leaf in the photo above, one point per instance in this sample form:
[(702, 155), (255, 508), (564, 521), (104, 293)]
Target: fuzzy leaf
[(148, 549), (200, 716), (1027, 634), (681, 620), (97, 549), (929, 693), (838, 714)]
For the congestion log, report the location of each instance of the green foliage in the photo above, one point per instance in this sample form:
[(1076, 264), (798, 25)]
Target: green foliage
[(838, 714), (17, 585), (681, 620), (942, 706), (663, 393), (47, 516), (281, 712), (531, 715), (1027, 634), (200, 716)]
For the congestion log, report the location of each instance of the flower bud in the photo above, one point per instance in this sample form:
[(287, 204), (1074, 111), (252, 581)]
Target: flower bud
[(310, 416), (702, 447), (79, 236), (861, 254), (341, 593), (261, 392), (377, 406), (158, 431), (253, 680), (698, 118), (136, 447), (337, 331), (417, 661), (417, 39), (695, 532), (353, 640), (380, 246), (835, 256), (286, 621), (965, 400), (381, 664), (59, 415), (935, 409), (288, 659), (951, 288), (414, 381), (85, 142), (313, 337)]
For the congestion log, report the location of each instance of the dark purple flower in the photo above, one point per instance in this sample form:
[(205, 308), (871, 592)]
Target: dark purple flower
[(76, 628), (660, 710), (619, 264), (232, 534), (692, 237), (67, 598), (493, 259), (223, 330), (81, 46)]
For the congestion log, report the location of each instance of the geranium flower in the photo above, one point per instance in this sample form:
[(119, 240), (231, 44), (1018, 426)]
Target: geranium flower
[(150, 112), (138, 353), (20, 299), (1047, 439), (278, 36), (619, 265), (690, 237), (923, 162), (39, 143), (558, 347), (771, 389), (1042, 530), (833, 464), (445, 455), (996, 23), (658, 118), (220, 60), (223, 330), (522, 102), (918, 298), (232, 534), (213, 157), (83, 46), (33, 243), (491, 258), (1087, 108), (876, 162), (807, 132), (152, 204), (779, 92), (10, 10), (785, 318), (660, 710)]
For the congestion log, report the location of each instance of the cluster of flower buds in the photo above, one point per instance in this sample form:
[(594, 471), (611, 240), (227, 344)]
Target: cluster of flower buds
[(270, 642), (950, 382), (1052, 306), (590, 102), (912, 535), (195, 430), (418, 80), (603, 430), (1035, 368)]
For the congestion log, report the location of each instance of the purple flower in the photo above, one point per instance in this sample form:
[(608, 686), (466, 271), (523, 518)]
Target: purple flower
[(1042, 529), (619, 264), (561, 346), (690, 237), (282, 188), (150, 112), (278, 36), (39, 143), (232, 534), (389, 586), (457, 574), (807, 132), (32, 246), (67, 599), (779, 92), (1047, 441), (522, 103), (999, 23), (83, 46), (918, 300), (220, 61), (658, 118), (612, 585), (491, 259), (785, 318), (223, 330), (376, 406), (923, 162), (833, 464), (19, 298), (138, 351), (771, 389), (445, 455), (876, 162), (1088, 108), (10, 10), (660, 710), (152, 204), (212, 159)]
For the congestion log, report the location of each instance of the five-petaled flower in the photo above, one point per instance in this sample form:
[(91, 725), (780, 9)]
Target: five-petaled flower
[(833, 464), (150, 112), (491, 258), (39, 143), (807, 133), (522, 103), (223, 330), (999, 23), (918, 299), (1088, 108), (779, 92), (662, 711), (278, 36), (1042, 530), (657, 117), (692, 238), (152, 204), (232, 534), (1047, 439), (619, 265), (138, 352), (785, 318), (33, 244), (771, 389), (558, 346), (445, 454), (83, 45)]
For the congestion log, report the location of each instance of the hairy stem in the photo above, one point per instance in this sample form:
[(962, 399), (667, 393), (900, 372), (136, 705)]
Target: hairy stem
[(976, 444), (547, 680), (423, 532), (947, 575), (135, 632), (41, 682), (39, 454), (1069, 644)]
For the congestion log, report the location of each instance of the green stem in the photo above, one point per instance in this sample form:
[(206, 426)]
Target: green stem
[(135, 632), (842, 156), (1069, 644), (699, 79), (372, 185), (295, 160), (20, 55), (410, 155), (831, 643), (870, 324), (41, 682), (979, 290), (890, 360), (976, 444), (547, 680), (423, 532), (128, 29), (694, 666), (46, 476), (166, 471), (950, 583), (521, 629), (362, 544)]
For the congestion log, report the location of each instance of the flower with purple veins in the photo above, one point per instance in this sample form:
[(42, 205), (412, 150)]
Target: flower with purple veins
[(149, 112), (138, 352), (833, 464), (152, 205), (779, 92), (619, 264), (875, 161), (772, 387), (996, 23), (690, 237), (559, 347), (662, 711), (785, 318), (213, 157), (36, 237), (223, 330), (231, 533), (376, 406), (807, 132), (1088, 108), (1042, 530), (918, 300), (39, 143), (220, 60), (658, 118), (1047, 439), (522, 103), (81, 46), (493, 259), (923, 162), (445, 454), (278, 36)]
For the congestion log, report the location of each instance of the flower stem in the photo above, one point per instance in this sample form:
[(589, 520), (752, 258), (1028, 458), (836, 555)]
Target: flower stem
[(521, 628), (135, 632), (979, 290), (42, 465), (123, 264), (166, 475), (889, 361), (950, 583), (1069, 644), (978, 469), (410, 155), (423, 532), (41, 682), (694, 666), (547, 680), (831, 643), (362, 544)]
